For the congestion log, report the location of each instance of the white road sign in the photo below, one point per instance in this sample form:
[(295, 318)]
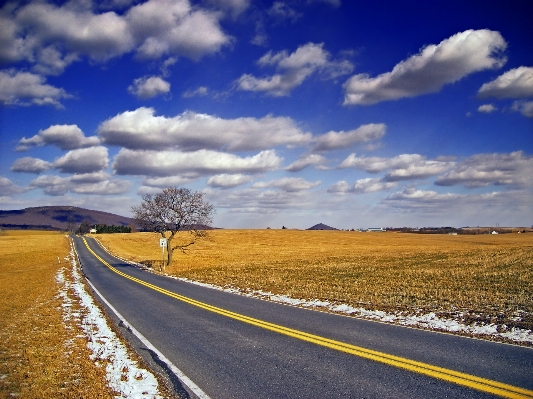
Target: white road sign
[(163, 242)]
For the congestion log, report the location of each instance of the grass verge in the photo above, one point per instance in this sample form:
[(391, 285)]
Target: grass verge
[(41, 355)]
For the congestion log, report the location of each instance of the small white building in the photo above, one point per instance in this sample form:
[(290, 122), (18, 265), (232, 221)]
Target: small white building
[(494, 232), (376, 229), (92, 231)]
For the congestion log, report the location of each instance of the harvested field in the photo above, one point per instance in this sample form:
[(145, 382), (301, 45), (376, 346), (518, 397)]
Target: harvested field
[(481, 278), (41, 355)]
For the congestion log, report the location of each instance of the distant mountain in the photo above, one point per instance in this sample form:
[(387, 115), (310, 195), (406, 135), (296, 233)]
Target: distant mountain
[(58, 218), (321, 226)]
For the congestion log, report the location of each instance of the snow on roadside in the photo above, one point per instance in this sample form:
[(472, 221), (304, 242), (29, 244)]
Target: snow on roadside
[(124, 375), (429, 321)]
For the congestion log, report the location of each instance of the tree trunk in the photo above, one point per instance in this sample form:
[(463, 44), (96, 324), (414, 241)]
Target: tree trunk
[(169, 253)]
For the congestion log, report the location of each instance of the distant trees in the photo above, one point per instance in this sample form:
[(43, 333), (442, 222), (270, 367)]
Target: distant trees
[(105, 229), (172, 211)]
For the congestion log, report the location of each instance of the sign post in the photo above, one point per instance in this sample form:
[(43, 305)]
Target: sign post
[(163, 244)]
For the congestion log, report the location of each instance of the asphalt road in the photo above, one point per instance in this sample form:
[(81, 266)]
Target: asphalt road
[(231, 358)]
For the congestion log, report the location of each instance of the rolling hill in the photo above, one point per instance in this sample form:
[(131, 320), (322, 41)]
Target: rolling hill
[(58, 218)]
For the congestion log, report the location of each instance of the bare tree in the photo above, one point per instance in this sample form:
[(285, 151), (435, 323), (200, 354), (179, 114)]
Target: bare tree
[(172, 211)]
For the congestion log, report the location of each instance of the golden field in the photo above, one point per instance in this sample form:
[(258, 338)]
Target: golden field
[(41, 355), (486, 278)]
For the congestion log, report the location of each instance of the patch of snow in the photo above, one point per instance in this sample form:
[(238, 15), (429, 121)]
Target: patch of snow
[(429, 321), (124, 375)]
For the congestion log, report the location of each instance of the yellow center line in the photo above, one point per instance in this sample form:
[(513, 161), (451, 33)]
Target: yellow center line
[(481, 384)]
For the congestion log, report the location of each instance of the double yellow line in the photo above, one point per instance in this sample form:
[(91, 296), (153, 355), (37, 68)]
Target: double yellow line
[(470, 381)]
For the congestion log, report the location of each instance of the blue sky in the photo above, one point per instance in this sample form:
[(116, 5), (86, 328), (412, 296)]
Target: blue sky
[(350, 113)]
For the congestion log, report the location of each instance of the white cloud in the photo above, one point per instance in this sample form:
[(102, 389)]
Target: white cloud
[(52, 185), (175, 27), (402, 167), (228, 180), (305, 161), (93, 177), (255, 201), (514, 170), (293, 69), (487, 108), (485, 207), (524, 107), (201, 91), (201, 163), (66, 137), (170, 181), (107, 187), (341, 187), (140, 129), (24, 88), (368, 185), (431, 69), (84, 184), (8, 188), (281, 10), (50, 37), (148, 87), (233, 7), (85, 160), (515, 83), (341, 140), (288, 184), (30, 165)]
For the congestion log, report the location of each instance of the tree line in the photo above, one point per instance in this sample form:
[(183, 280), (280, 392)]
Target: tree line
[(85, 228)]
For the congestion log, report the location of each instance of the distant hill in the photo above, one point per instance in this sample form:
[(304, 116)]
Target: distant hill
[(58, 218), (321, 226)]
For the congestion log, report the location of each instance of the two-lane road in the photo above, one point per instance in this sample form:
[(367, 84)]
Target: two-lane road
[(237, 347)]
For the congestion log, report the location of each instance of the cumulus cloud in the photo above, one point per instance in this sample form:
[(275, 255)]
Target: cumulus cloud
[(337, 140), (515, 83), (282, 11), (66, 137), (201, 163), (233, 7), (487, 108), (85, 160), (427, 72), (524, 107), (514, 170), (24, 88), (8, 188), (257, 201), (361, 186), (341, 187), (228, 180), (293, 69), (305, 161), (30, 165), (402, 167), (148, 87), (288, 184), (107, 187), (141, 129), (81, 184), (201, 91), (418, 201), (170, 181), (51, 36)]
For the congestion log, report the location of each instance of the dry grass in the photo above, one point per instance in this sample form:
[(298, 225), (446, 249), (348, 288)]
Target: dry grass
[(477, 278), (39, 357)]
